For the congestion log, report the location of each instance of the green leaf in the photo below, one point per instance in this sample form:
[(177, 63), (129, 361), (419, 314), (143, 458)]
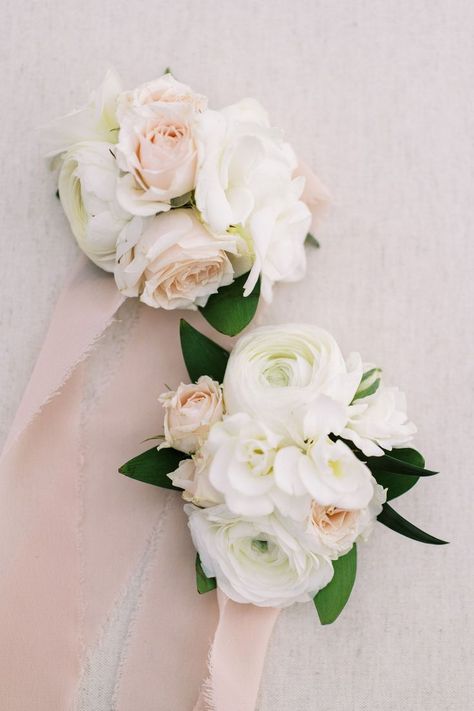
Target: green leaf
[(203, 583), (331, 600), (369, 390), (182, 200), (312, 241), (229, 311), (396, 484), (167, 71), (390, 518), (399, 461), (153, 466), (201, 355)]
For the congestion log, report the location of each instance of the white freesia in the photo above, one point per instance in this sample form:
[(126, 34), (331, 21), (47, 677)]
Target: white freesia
[(241, 453), (87, 182), (338, 529), (274, 372), (328, 471), (171, 261), (379, 422), (193, 477), (267, 561), (95, 122), (190, 411)]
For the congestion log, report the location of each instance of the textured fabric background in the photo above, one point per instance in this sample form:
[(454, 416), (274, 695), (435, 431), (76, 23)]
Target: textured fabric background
[(377, 96)]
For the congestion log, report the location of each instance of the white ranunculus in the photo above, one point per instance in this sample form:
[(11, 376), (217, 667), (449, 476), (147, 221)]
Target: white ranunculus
[(189, 413), (95, 122), (193, 477), (275, 372), (87, 182), (338, 529), (379, 422), (267, 561), (241, 456), (241, 159), (164, 89), (171, 261), (328, 471)]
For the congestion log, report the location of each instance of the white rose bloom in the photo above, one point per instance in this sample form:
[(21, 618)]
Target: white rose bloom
[(328, 471), (192, 476), (189, 413), (164, 89), (241, 158), (275, 372), (267, 561), (338, 529), (171, 261), (379, 422), (241, 453), (87, 182), (95, 122)]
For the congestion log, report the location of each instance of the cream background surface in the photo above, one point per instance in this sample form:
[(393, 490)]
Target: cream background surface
[(377, 96)]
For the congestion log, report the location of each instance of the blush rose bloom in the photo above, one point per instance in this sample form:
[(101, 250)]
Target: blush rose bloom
[(156, 148), (171, 261), (190, 411), (193, 477), (275, 373), (338, 529), (268, 561), (86, 184)]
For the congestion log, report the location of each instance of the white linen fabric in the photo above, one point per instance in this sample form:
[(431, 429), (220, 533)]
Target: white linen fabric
[(377, 97)]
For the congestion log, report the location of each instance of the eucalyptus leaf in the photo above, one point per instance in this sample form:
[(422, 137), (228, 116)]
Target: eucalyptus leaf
[(153, 466), (229, 311), (203, 583), (331, 600), (312, 241), (390, 518), (201, 355)]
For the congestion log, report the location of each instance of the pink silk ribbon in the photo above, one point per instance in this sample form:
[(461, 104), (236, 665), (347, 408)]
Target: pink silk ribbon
[(98, 607)]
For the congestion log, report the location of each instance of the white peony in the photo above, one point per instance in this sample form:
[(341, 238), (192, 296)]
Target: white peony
[(275, 372), (328, 471), (267, 561), (95, 122), (241, 453), (338, 529), (87, 182), (171, 261), (189, 413), (379, 422)]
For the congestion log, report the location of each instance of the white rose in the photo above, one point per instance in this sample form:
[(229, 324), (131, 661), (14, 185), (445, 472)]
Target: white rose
[(189, 413), (379, 422), (156, 147), (328, 471), (164, 89), (95, 122), (241, 453), (175, 263), (338, 529), (274, 372), (192, 476), (241, 158), (267, 561), (87, 182)]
